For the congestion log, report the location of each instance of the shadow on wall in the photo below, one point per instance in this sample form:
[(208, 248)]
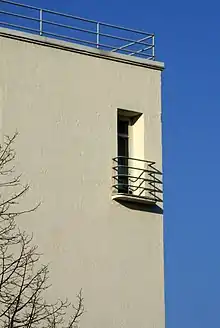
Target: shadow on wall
[(142, 207)]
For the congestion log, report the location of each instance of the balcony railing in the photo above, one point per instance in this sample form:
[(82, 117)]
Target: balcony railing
[(136, 180), (75, 29)]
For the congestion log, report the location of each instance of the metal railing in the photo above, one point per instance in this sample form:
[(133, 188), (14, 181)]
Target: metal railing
[(75, 29), (136, 177)]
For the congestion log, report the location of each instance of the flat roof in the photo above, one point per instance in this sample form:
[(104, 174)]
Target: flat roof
[(81, 49)]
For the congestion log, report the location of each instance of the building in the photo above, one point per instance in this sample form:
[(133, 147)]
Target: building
[(89, 145)]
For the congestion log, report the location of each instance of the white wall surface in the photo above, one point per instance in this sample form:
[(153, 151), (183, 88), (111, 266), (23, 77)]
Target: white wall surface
[(64, 106)]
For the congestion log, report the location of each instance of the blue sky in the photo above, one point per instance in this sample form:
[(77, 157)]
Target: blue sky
[(187, 40)]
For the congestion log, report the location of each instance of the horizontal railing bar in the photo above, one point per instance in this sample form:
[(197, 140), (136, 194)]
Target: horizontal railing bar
[(135, 189), (69, 16), (157, 190), (149, 57), (81, 41), (100, 34), (19, 15), (127, 29), (116, 177), (135, 168), (144, 55), (68, 38), (57, 35), (20, 27), (125, 39), (69, 26), (78, 18), (129, 44), (133, 159), (130, 176), (132, 186), (49, 11), (20, 4), (138, 52), (79, 29), (121, 50), (141, 50)]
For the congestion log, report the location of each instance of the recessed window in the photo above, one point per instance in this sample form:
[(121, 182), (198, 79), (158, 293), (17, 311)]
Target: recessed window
[(129, 144), (123, 153), (135, 179)]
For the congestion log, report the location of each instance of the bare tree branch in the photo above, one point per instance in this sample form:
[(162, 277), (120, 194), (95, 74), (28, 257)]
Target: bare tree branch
[(22, 281)]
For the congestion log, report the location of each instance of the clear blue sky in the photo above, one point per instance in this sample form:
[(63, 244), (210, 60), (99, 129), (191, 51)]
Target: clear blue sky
[(187, 36)]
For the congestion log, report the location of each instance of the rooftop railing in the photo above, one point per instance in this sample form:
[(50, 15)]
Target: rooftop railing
[(75, 29)]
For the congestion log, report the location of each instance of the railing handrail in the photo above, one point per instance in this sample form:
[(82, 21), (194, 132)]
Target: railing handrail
[(147, 49), (139, 180), (75, 17), (134, 159), (136, 187)]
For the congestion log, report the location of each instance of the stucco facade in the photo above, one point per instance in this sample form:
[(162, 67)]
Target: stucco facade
[(63, 101)]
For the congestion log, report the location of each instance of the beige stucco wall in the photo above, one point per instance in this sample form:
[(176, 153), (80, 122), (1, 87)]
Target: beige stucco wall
[(64, 106)]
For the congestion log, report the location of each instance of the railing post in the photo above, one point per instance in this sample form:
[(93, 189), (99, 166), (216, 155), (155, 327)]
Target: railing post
[(97, 34), (41, 21), (155, 195), (153, 48)]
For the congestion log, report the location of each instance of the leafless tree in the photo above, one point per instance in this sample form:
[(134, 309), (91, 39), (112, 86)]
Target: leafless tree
[(22, 280)]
